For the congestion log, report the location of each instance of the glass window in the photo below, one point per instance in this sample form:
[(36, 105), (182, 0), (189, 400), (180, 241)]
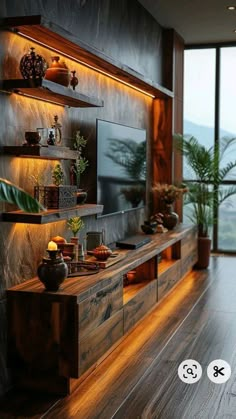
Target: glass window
[(226, 224), (199, 97), (227, 103)]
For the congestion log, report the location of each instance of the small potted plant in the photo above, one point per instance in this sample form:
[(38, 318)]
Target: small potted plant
[(79, 166), (56, 195), (57, 175), (75, 224)]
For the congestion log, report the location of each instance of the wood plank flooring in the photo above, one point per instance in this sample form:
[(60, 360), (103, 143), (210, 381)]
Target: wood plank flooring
[(139, 378)]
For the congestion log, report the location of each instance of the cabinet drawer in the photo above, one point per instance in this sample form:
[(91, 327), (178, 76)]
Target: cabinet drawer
[(168, 279), (136, 308), (95, 345), (188, 262), (100, 306), (189, 244)]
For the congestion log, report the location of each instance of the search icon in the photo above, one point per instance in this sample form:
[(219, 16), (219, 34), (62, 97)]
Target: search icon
[(190, 371)]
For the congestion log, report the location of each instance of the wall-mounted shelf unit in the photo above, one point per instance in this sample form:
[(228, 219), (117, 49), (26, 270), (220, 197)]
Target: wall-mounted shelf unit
[(51, 216), (48, 34), (49, 91), (41, 152)]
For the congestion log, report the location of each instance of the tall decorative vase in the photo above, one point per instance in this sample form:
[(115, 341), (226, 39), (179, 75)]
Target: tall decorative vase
[(170, 218)]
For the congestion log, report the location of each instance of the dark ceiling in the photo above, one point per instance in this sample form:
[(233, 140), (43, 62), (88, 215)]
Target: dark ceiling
[(197, 21)]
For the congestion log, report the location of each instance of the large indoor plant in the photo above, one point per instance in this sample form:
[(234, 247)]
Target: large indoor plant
[(207, 172)]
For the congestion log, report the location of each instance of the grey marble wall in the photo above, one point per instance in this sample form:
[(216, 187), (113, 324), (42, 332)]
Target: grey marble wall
[(120, 29)]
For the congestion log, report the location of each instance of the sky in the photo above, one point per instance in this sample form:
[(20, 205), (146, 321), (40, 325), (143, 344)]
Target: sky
[(199, 82)]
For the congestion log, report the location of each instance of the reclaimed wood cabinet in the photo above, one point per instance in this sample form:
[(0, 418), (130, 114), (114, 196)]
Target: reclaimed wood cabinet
[(56, 338)]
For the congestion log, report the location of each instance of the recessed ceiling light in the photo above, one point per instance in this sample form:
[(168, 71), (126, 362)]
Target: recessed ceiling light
[(231, 7)]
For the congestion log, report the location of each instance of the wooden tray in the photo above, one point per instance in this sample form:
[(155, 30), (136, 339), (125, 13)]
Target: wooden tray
[(82, 268), (106, 263)]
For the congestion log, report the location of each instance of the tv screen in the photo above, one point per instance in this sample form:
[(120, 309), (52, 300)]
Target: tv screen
[(121, 167)]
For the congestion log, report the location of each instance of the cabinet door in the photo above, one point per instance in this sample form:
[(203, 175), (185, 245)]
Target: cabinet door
[(100, 306), (168, 278), (139, 305), (99, 341)]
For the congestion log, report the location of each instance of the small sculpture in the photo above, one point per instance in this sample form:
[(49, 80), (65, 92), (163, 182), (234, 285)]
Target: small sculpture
[(74, 80), (51, 138), (57, 127)]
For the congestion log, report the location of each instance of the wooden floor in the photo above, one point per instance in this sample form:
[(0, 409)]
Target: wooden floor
[(139, 379)]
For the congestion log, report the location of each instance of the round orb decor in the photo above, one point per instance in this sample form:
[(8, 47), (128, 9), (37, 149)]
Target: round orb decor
[(32, 66)]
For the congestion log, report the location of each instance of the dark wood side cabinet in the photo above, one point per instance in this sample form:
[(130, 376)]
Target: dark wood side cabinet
[(56, 338)]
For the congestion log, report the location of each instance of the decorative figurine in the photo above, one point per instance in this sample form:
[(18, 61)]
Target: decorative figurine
[(51, 138), (58, 134), (74, 80)]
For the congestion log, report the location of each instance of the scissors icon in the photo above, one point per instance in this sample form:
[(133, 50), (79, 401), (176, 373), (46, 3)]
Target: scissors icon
[(217, 371)]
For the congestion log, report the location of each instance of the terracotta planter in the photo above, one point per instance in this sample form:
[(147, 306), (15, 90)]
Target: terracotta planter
[(204, 250)]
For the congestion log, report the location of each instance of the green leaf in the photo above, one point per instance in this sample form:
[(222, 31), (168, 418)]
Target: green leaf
[(14, 195)]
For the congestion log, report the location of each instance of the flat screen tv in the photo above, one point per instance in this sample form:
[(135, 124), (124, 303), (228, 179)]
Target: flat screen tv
[(121, 167)]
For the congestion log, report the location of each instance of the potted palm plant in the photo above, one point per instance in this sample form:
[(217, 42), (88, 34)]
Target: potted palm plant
[(205, 190)]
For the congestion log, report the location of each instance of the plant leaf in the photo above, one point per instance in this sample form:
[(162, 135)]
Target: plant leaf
[(14, 195)]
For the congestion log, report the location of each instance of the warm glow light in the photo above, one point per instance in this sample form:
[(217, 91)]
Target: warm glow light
[(86, 64), (52, 246), (38, 98), (231, 7)]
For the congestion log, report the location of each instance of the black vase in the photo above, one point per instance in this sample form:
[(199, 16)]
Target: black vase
[(170, 218), (52, 271), (81, 196)]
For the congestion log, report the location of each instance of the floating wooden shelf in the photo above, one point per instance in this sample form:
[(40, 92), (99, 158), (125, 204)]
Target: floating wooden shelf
[(44, 32), (51, 216), (42, 152), (49, 91)]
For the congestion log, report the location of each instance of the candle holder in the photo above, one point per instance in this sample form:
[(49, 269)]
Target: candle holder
[(53, 254), (52, 271)]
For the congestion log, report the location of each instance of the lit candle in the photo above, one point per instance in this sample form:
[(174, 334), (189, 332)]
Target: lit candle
[(52, 246)]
